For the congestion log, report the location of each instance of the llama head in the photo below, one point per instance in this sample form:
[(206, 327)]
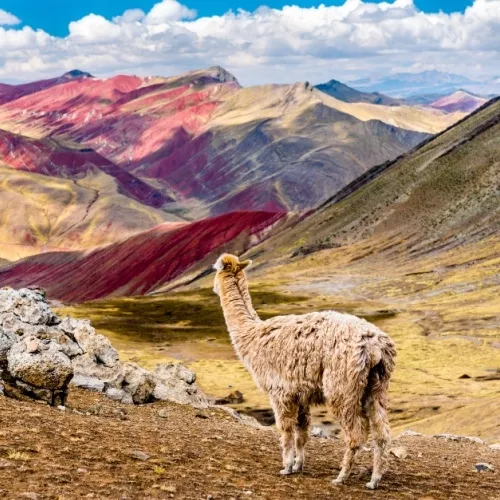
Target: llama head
[(230, 265)]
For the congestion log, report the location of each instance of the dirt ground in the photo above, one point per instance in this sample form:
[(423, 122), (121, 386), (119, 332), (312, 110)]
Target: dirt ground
[(94, 449)]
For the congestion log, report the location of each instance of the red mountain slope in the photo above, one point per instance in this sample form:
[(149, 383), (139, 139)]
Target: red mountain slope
[(459, 101), (139, 264), (47, 157), (12, 92)]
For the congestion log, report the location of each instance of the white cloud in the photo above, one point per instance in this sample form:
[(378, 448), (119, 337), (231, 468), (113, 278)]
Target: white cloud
[(130, 16), (94, 28), (167, 11), (6, 18), (293, 43)]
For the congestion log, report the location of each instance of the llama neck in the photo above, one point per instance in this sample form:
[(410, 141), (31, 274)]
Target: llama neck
[(237, 306), (245, 294)]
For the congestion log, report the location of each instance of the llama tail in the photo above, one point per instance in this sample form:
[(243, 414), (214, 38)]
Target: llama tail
[(379, 376), (375, 406)]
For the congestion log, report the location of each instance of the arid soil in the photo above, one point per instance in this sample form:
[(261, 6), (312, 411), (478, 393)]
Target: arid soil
[(98, 449)]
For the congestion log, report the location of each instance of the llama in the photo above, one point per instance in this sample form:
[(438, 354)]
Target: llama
[(317, 358)]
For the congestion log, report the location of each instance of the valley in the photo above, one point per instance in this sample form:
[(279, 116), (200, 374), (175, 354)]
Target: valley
[(342, 204), (408, 248)]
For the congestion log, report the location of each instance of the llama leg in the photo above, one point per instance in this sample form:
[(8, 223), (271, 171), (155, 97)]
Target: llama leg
[(301, 437), (286, 414), (382, 439), (355, 426)]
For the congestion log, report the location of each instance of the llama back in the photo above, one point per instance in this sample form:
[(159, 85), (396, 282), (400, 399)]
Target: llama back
[(330, 332), (299, 349)]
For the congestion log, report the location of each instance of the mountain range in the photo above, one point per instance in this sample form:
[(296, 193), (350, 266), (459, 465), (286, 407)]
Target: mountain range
[(411, 86), (460, 100), (88, 161)]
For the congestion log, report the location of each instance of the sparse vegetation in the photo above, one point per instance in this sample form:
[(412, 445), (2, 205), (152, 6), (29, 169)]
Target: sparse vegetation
[(18, 456), (159, 470)]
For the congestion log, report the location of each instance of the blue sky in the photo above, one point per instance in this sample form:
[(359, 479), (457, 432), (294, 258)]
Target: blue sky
[(296, 40), (54, 16)]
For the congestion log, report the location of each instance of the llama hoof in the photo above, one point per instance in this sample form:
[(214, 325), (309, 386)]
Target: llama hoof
[(337, 482), (298, 468), (372, 485), (286, 471)]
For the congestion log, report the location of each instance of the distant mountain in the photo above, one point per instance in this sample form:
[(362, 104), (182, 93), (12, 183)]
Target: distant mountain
[(423, 99), (406, 84), (88, 162), (348, 94), (211, 147), (53, 197), (12, 92), (50, 158), (461, 100)]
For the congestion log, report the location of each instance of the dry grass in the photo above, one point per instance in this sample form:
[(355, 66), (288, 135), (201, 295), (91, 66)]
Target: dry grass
[(18, 456)]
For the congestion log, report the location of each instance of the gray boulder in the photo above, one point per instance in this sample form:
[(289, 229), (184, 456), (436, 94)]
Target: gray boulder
[(89, 383), (174, 382), (138, 383), (134, 386), (119, 395), (97, 364), (7, 340), (29, 305), (40, 367), (92, 344)]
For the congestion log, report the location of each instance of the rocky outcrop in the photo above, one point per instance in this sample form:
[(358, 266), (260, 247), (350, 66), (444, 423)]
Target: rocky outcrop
[(135, 385), (176, 383), (34, 357), (41, 353)]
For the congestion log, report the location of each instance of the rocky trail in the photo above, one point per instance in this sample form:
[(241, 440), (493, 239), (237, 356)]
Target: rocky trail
[(98, 448)]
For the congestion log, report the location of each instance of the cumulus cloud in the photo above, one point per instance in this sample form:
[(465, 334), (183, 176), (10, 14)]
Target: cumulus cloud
[(6, 18), (94, 28), (358, 38), (167, 11)]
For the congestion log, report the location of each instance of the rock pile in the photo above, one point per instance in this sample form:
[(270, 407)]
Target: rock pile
[(41, 353)]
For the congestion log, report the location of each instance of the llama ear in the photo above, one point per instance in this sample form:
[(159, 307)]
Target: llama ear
[(245, 264)]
